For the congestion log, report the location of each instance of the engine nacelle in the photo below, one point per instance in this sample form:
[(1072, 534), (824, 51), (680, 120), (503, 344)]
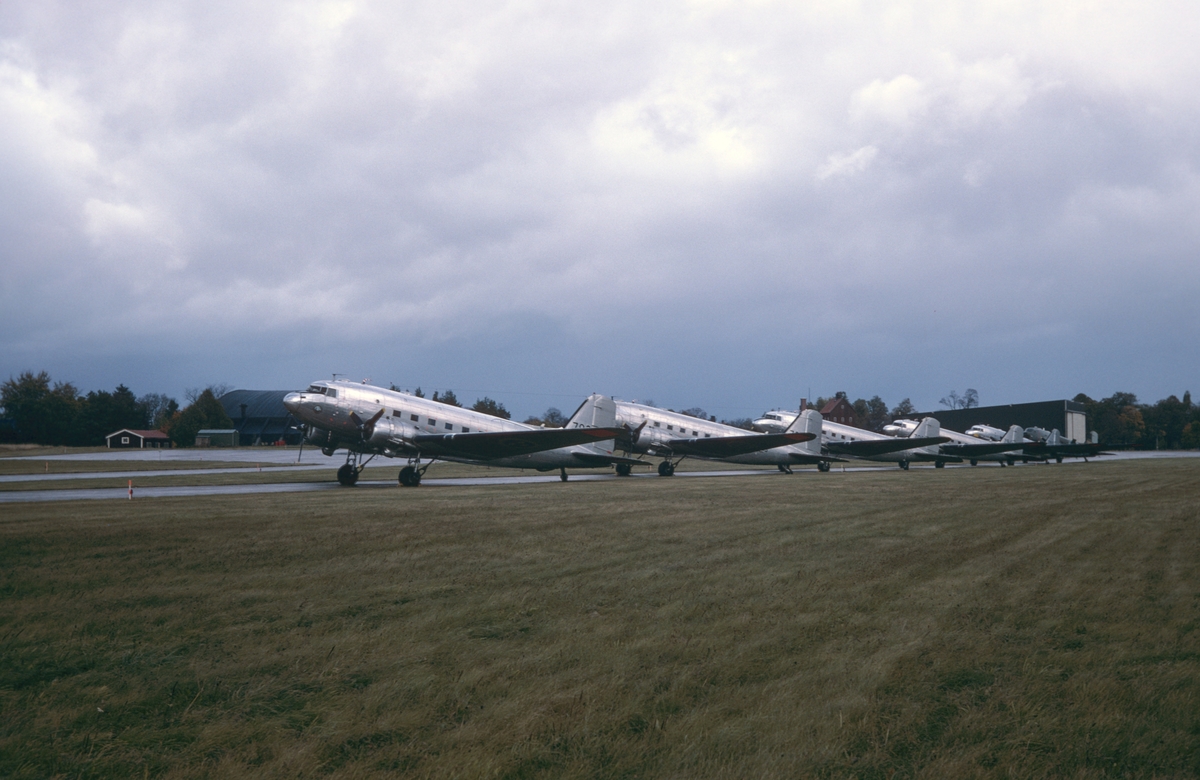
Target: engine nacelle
[(321, 437)]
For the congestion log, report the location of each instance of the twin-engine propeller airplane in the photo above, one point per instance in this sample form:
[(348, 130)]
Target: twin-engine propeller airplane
[(367, 421), (963, 447), (674, 436), (851, 442), (1041, 445)]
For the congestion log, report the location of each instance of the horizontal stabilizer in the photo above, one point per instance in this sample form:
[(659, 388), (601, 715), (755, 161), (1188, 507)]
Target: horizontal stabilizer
[(507, 444), (728, 446), (869, 447)]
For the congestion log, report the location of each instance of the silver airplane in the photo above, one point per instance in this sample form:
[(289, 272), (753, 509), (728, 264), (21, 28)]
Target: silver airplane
[(846, 440), (963, 446), (1041, 445), (674, 437), (368, 421)]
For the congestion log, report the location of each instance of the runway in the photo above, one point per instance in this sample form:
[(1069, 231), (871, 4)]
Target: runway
[(314, 460)]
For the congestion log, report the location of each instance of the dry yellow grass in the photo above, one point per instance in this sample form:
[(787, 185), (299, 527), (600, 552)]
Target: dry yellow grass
[(1030, 622)]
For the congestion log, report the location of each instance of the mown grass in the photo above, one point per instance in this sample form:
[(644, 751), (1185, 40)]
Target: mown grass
[(1031, 622)]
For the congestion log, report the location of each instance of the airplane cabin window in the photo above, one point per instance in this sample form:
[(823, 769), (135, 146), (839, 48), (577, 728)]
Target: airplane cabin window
[(466, 429), (433, 422), (449, 426), (655, 425), (414, 418)]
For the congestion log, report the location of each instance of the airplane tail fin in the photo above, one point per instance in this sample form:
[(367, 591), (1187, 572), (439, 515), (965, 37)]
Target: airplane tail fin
[(1015, 434), (928, 427), (597, 411), (808, 421)]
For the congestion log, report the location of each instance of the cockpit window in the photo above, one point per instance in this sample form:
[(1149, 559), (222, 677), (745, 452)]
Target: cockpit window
[(316, 389)]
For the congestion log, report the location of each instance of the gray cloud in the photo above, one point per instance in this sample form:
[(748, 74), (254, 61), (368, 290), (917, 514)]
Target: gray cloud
[(700, 203)]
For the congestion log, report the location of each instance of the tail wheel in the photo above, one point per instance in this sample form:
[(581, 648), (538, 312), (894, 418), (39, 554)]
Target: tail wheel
[(347, 475)]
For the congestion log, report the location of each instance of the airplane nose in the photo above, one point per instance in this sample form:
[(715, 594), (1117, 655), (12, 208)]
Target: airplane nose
[(291, 402)]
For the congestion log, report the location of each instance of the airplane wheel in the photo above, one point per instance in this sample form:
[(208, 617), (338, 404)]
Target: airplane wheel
[(939, 465), (1058, 460), (974, 462), (347, 475), (624, 469), (409, 477), (666, 469), (562, 474), (904, 465), (823, 466)]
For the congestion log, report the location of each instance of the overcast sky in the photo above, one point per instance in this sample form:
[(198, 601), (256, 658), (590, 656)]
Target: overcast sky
[(724, 205)]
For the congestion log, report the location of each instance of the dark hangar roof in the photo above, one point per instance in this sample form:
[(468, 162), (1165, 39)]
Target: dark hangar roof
[(259, 403)]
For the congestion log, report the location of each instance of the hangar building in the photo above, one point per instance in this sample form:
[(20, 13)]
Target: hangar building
[(1069, 417), (260, 417)]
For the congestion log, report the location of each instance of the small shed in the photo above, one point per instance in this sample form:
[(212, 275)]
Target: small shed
[(217, 437), (127, 438)]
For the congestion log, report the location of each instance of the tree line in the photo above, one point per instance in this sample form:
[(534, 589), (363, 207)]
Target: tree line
[(36, 410)]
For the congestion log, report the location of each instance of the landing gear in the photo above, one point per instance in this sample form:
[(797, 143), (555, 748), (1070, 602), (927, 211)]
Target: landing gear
[(974, 462), (562, 474), (786, 469), (823, 466), (347, 475), (1058, 460), (941, 464), (624, 469), (410, 477), (666, 469), (904, 465)]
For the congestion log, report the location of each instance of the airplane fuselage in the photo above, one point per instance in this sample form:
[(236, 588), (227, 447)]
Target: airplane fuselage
[(326, 408)]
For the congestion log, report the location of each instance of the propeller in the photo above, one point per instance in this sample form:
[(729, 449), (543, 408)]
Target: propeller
[(366, 428), (631, 436)]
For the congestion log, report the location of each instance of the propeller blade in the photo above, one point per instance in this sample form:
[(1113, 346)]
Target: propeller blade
[(368, 427)]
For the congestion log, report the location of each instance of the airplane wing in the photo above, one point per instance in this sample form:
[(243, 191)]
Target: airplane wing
[(727, 446), (507, 444), (801, 459), (594, 460), (869, 447), (976, 450)]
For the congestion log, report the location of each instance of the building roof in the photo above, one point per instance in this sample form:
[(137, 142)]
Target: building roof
[(259, 403), (833, 404), (142, 434)]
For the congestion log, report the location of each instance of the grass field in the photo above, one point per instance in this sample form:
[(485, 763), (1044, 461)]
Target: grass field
[(1029, 622)]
